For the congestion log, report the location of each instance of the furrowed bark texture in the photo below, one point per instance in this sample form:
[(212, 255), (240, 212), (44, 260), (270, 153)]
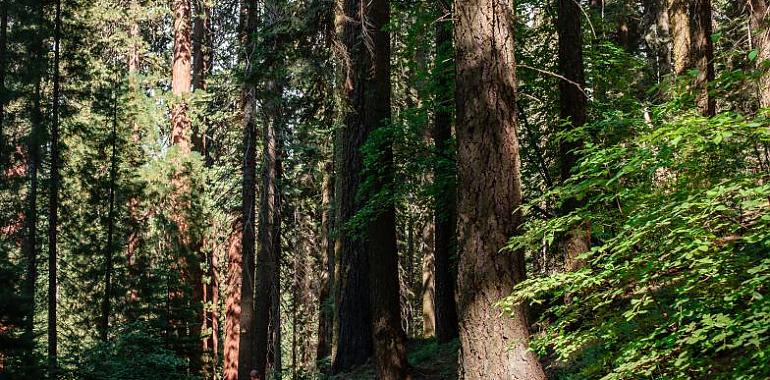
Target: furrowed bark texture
[(233, 303), (493, 345), (353, 335)]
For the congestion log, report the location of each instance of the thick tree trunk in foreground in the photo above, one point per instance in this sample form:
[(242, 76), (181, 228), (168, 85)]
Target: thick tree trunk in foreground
[(760, 29), (53, 203), (572, 108), (246, 350), (493, 345), (445, 208), (693, 48)]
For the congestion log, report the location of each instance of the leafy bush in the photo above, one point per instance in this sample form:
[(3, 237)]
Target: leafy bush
[(676, 284), (135, 353)]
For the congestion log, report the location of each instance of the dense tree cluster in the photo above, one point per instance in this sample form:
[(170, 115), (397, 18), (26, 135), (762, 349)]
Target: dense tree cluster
[(361, 189)]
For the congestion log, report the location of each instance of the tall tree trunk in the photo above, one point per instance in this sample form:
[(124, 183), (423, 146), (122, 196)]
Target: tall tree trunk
[(181, 75), (444, 173), (235, 268), (247, 360), (202, 56), (353, 323), (572, 109), (760, 28), (493, 345), (29, 246), (202, 48), (408, 282), (214, 314), (325, 316), (188, 261), (134, 219), (3, 58), (693, 48), (109, 249), (428, 289), (367, 92), (37, 70), (267, 321), (53, 203)]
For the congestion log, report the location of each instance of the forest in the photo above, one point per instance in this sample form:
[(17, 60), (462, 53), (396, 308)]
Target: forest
[(384, 189)]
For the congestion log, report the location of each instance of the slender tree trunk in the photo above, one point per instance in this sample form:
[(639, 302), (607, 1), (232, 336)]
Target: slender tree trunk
[(572, 109), (3, 58), (202, 53), (53, 204), (247, 359), (428, 292), (444, 173), (493, 345), (134, 219), (325, 317), (408, 283), (294, 318), (760, 29), (233, 301), (214, 314), (110, 247), (29, 245), (267, 320), (693, 48)]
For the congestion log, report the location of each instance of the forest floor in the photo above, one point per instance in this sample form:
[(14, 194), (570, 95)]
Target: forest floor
[(428, 359)]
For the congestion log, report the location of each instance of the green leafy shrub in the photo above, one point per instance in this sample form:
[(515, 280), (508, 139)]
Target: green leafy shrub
[(676, 284), (135, 353)]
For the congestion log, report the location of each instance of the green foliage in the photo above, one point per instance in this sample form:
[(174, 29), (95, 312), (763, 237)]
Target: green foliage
[(137, 352), (675, 285)]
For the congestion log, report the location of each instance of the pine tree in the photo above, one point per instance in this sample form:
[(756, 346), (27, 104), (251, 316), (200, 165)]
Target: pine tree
[(489, 194)]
